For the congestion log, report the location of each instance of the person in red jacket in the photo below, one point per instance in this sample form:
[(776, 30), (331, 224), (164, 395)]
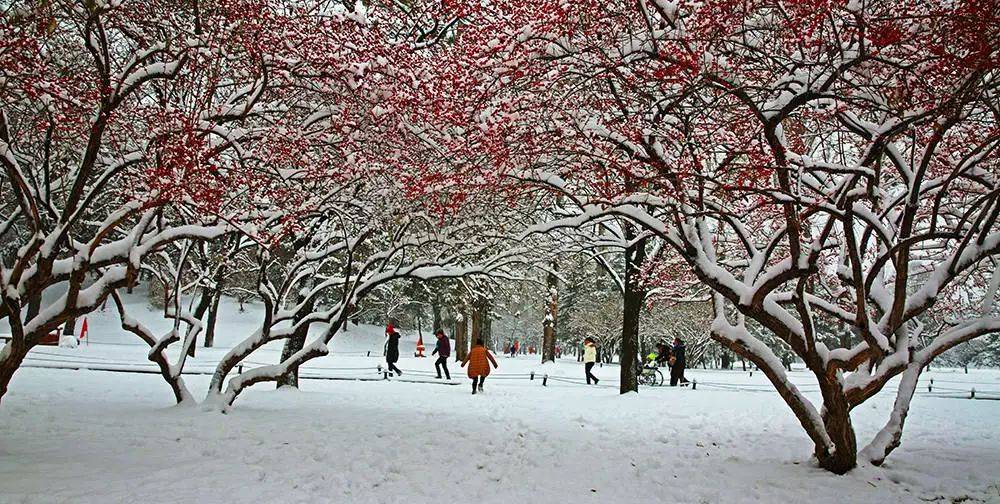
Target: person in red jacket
[(479, 360)]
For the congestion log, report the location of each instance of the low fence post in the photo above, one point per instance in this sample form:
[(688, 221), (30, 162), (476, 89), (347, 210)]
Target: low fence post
[(694, 384), (532, 376), (972, 395), (545, 381), (930, 385), (240, 369)]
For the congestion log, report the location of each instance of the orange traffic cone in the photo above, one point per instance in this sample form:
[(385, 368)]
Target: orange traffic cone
[(420, 346)]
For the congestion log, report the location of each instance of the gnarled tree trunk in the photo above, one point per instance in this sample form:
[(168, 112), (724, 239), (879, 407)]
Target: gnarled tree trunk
[(632, 301), (836, 414), (293, 344), (11, 356)]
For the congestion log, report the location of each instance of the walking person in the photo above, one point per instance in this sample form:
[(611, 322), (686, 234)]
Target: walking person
[(678, 361), (662, 354), (479, 360), (392, 349), (589, 358), (443, 351)]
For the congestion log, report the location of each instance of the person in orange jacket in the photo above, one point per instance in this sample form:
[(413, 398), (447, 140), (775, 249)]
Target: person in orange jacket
[(480, 359)]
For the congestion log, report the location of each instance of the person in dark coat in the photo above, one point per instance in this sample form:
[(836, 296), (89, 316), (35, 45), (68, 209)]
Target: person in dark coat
[(443, 351), (392, 349), (662, 354), (677, 356)]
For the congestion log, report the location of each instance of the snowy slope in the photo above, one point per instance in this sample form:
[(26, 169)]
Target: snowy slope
[(108, 345)]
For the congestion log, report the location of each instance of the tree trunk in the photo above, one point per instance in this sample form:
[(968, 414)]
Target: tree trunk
[(837, 421), (11, 356), (481, 323), (461, 335), (294, 344), (633, 298), (213, 308), (213, 315), (889, 437), (70, 328), (487, 323), (477, 325), (204, 303), (34, 307), (436, 311), (551, 312)]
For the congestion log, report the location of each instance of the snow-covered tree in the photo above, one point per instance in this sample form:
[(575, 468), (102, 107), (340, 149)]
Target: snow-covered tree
[(813, 164)]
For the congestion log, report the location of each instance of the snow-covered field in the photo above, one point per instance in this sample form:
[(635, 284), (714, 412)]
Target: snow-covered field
[(78, 435)]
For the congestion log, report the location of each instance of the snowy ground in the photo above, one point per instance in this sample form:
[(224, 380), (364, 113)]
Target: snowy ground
[(91, 436)]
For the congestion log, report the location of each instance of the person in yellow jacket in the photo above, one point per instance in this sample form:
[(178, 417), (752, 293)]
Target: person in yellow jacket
[(589, 358)]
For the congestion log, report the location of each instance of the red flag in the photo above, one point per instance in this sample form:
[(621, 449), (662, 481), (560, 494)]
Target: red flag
[(83, 330)]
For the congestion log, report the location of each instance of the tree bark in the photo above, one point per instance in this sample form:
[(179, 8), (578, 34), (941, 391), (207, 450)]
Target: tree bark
[(213, 308), (633, 298), (436, 311), (551, 313), (487, 323), (70, 328), (213, 315), (11, 356), (477, 323), (294, 344), (34, 307), (837, 422), (481, 323), (204, 303), (461, 335)]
